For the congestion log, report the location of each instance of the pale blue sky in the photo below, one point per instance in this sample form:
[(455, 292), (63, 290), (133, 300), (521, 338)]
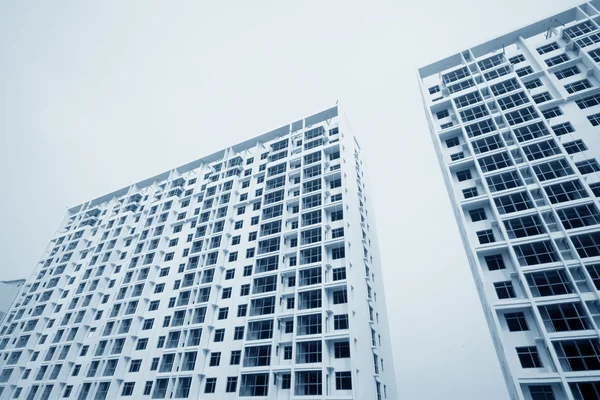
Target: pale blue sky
[(95, 96)]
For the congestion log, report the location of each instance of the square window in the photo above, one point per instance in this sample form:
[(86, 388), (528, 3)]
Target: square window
[(516, 322), (215, 359), (529, 357), (504, 290), (486, 236), (464, 175), (494, 262), (211, 385), (477, 214)]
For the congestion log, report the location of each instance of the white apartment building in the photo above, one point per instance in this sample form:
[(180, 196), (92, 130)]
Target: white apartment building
[(251, 272), (515, 124), (8, 292)]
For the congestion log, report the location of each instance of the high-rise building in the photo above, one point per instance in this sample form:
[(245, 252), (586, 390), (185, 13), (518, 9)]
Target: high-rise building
[(251, 272), (9, 291), (515, 124)]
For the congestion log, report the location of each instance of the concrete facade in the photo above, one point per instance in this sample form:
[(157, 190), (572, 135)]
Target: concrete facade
[(251, 272)]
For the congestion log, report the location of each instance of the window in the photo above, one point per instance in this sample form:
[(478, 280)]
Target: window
[(254, 385), (516, 59), (594, 119), (549, 283), (487, 144), (565, 191), (434, 89), (525, 226), (494, 262), (559, 59), (528, 356), (308, 383), (513, 101), (463, 175), (534, 83), (231, 384), (466, 100), (238, 333), (594, 271), (340, 297), (504, 290), (552, 169), (477, 214), (579, 30), (223, 313), (338, 253), (480, 128), (127, 389), (565, 73), (564, 317), (470, 192), (234, 359), (486, 236), (521, 72), (507, 180), (215, 359), (461, 86), (535, 253), (135, 365), (473, 113), (542, 97), (587, 245), (219, 335), (588, 102), (211, 385), (148, 388), (516, 322), (521, 115), (457, 156), (513, 202), (579, 355), (141, 344), (340, 322), (148, 323), (547, 48), (575, 146), (563, 129), (497, 73), (541, 392), (588, 166), (455, 75), (452, 142), (552, 112), (578, 86), (343, 380), (595, 54), (442, 114), (494, 162), (579, 216)]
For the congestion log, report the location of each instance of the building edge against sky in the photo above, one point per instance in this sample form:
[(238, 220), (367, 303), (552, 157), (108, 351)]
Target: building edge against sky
[(514, 122), (253, 271)]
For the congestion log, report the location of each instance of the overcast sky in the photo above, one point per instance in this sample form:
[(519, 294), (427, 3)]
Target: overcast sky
[(96, 96)]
